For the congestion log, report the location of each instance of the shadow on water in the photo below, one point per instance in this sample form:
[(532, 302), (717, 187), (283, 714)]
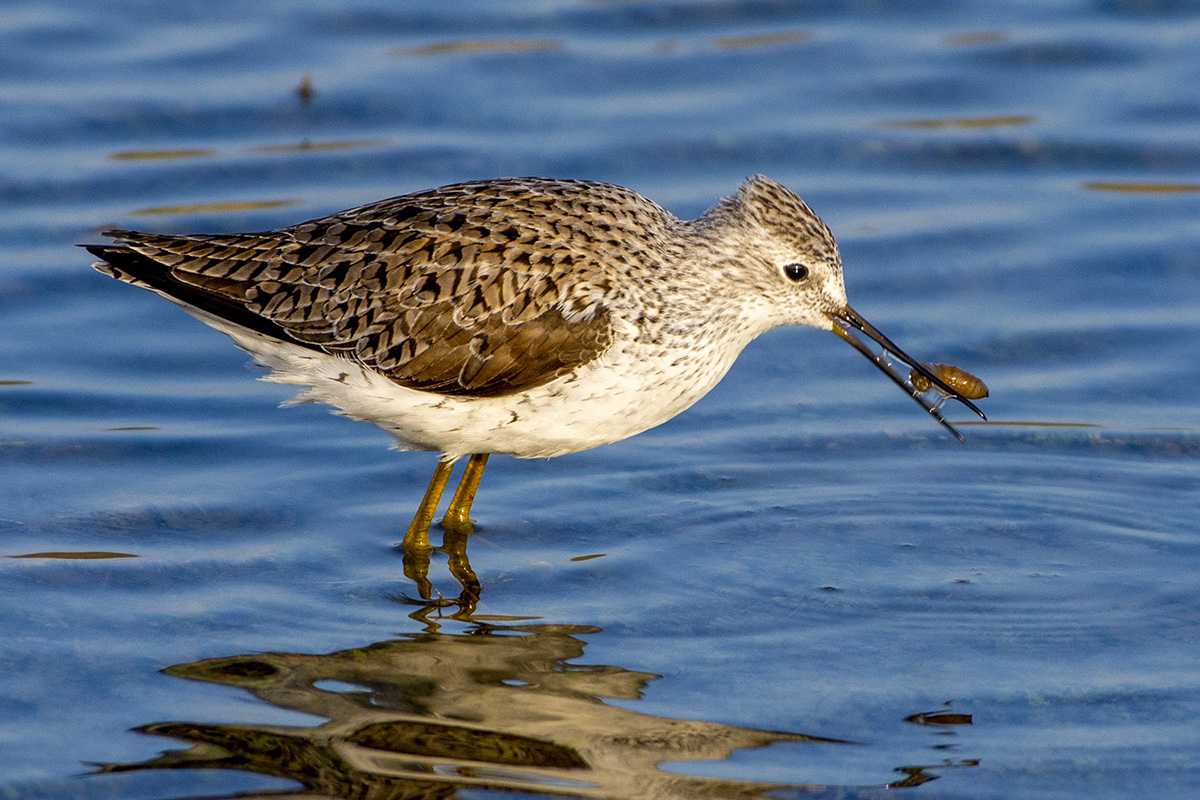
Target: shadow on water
[(499, 708)]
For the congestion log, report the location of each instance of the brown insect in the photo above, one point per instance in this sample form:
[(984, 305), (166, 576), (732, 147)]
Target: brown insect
[(957, 379)]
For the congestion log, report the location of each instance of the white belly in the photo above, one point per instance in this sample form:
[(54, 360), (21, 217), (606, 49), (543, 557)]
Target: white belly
[(628, 390)]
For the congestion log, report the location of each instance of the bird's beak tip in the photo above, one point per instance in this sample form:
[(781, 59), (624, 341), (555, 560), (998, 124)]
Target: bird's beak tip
[(851, 326)]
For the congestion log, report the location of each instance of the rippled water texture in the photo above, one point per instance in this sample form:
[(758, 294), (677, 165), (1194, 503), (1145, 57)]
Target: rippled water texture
[(802, 587)]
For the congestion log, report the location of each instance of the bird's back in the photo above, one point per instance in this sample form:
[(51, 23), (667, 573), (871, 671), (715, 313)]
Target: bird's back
[(475, 290)]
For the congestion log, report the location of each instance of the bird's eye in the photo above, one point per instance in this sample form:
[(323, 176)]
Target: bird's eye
[(795, 272)]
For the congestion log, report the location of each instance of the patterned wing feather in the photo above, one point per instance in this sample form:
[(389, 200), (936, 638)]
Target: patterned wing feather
[(478, 289)]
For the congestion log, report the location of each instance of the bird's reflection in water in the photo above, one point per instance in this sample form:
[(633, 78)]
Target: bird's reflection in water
[(430, 715)]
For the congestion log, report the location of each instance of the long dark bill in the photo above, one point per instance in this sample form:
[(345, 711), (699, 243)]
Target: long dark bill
[(848, 324)]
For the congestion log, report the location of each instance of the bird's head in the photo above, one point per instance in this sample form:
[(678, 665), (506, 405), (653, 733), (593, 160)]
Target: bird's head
[(786, 264)]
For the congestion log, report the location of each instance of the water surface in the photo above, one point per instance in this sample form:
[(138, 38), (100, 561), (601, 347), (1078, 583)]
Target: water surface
[(802, 587)]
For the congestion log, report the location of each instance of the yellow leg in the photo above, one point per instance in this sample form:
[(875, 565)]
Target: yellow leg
[(417, 535), (458, 515)]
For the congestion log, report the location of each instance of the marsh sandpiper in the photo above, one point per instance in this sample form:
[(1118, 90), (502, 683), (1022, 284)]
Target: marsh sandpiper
[(525, 316)]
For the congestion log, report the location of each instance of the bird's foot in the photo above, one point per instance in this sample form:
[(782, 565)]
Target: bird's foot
[(416, 568)]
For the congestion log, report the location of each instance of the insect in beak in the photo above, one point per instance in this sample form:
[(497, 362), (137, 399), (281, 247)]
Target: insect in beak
[(849, 324)]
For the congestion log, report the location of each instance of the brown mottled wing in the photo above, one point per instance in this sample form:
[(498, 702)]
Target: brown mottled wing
[(477, 290)]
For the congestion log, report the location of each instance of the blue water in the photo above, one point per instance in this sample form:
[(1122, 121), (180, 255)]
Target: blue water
[(785, 577)]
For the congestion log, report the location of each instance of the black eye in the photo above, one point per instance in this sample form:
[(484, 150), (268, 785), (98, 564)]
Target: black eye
[(795, 272)]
